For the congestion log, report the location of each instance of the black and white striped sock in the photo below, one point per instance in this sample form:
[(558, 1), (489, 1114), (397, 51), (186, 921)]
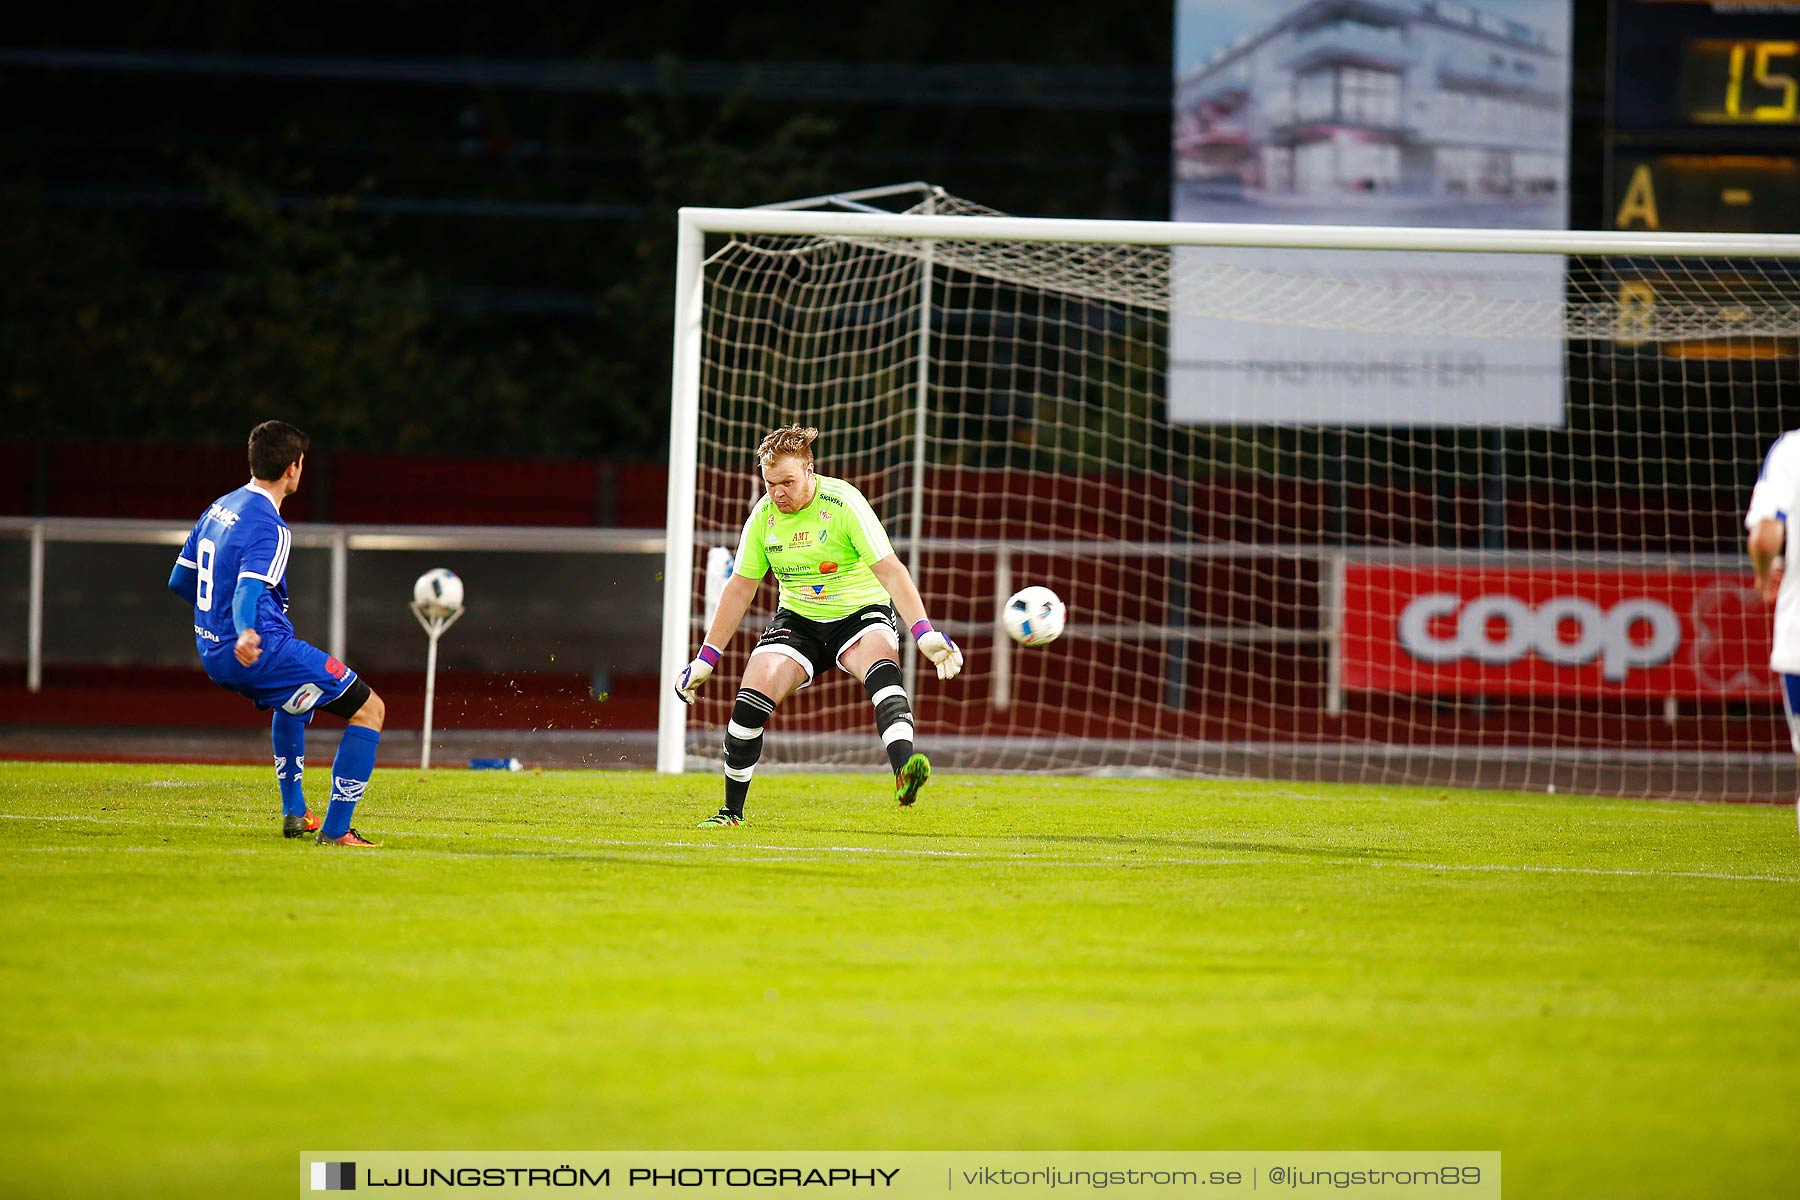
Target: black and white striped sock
[(893, 711), (743, 745)]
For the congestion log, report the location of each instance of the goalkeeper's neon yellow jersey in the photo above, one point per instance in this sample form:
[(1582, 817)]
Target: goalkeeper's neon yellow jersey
[(821, 555)]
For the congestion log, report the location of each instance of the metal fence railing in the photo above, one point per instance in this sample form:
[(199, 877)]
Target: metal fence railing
[(339, 540)]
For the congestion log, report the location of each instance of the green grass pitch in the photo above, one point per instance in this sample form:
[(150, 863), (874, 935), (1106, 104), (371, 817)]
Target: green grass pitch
[(1607, 992)]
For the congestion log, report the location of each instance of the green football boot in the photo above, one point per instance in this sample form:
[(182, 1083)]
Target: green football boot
[(912, 777), (723, 817)]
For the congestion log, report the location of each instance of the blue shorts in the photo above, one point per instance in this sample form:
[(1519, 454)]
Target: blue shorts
[(1790, 701), (295, 676)]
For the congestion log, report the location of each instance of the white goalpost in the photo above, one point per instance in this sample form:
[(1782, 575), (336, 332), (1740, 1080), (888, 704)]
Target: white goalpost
[(1455, 506)]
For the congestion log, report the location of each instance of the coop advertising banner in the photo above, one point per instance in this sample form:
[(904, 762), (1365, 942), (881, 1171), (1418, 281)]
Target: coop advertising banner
[(1308, 112), (1448, 630)]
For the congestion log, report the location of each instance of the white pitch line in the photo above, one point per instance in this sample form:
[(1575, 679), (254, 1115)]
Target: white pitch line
[(409, 852), (647, 855), (783, 853)]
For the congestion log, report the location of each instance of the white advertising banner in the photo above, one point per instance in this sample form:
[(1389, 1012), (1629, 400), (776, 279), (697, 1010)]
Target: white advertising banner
[(1378, 112)]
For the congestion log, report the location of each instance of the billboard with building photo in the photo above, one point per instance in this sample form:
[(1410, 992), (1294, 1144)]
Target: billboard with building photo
[(1370, 112)]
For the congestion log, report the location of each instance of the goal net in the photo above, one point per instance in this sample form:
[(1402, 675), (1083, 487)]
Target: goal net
[(1322, 504)]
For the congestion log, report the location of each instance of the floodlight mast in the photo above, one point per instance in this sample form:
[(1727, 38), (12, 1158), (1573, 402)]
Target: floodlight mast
[(434, 625)]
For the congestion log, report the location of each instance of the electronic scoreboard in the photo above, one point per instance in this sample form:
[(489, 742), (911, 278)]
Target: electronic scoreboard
[(1703, 120)]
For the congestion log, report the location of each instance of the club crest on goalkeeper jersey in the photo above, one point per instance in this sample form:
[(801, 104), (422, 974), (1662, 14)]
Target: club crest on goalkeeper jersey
[(820, 555), (240, 536)]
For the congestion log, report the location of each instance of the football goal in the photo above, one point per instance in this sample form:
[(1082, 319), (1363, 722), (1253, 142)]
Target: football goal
[(1446, 506)]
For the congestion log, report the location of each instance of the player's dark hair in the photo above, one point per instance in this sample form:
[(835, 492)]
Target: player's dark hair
[(273, 445)]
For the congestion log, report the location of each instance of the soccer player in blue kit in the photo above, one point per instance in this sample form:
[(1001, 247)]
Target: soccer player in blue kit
[(233, 570)]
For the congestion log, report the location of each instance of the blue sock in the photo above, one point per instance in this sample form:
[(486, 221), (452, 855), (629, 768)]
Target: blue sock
[(288, 732), (350, 772)]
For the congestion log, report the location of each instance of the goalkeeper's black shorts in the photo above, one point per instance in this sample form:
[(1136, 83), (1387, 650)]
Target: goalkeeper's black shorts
[(816, 644)]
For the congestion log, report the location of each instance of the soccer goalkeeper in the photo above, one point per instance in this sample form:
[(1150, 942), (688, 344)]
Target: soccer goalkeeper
[(840, 583)]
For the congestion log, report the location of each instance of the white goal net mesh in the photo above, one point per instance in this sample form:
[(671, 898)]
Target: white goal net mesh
[(1465, 591)]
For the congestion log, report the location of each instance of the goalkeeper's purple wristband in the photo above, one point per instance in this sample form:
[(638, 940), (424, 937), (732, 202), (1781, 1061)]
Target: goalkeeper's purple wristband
[(708, 655), (921, 627)]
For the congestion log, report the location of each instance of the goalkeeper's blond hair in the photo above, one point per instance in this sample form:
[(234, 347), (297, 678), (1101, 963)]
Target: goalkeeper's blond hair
[(790, 441)]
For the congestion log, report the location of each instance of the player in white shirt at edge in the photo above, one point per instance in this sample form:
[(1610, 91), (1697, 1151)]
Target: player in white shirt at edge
[(1776, 561)]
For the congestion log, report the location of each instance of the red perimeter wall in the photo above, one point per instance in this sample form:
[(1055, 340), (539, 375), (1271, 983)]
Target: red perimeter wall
[(1273, 692)]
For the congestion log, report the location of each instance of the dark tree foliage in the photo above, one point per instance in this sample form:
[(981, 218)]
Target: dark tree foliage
[(467, 267)]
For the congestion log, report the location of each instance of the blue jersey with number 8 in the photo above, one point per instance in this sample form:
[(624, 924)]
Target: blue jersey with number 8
[(240, 536)]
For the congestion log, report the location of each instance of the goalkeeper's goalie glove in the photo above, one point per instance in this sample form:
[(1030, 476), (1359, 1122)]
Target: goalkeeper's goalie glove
[(696, 673), (943, 653)]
